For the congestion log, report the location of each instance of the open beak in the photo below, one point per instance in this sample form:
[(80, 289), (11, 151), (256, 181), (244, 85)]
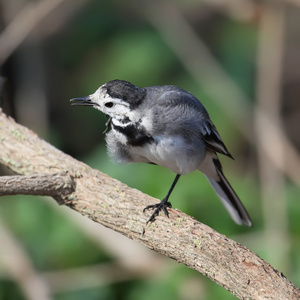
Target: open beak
[(85, 101)]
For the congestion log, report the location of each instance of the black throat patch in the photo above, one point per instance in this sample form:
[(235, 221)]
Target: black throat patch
[(135, 134)]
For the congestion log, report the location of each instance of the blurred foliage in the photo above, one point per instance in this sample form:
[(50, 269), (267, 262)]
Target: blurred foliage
[(105, 40)]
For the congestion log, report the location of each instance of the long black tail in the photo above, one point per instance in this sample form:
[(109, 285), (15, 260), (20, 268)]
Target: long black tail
[(228, 196)]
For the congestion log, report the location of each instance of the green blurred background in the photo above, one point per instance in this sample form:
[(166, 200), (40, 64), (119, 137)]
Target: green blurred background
[(240, 58)]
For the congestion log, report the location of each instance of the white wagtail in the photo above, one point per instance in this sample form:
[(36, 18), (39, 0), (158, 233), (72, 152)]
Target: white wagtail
[(166, 126)]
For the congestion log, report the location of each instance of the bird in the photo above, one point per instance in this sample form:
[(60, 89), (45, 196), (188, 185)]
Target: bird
[(167, 126)]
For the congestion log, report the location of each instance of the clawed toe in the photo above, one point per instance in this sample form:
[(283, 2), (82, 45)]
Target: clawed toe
[(157, 208)]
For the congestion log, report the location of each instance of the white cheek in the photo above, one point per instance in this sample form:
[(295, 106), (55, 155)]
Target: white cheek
[(121, 111)]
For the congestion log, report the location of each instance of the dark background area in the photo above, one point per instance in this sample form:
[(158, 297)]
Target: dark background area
[(240, 58)]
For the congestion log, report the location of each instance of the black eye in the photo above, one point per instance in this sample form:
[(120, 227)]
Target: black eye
[(109, 104)]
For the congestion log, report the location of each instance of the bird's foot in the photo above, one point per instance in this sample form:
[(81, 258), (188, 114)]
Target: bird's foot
[(162, 205)]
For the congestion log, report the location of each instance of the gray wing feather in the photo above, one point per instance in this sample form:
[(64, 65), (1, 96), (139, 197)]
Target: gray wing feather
[(176, 105), (212, 138)]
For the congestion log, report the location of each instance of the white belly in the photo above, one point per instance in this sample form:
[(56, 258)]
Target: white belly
[(173, 153)]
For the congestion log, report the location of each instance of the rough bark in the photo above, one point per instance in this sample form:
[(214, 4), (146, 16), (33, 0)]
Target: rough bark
[(116, 206), (58, 186)]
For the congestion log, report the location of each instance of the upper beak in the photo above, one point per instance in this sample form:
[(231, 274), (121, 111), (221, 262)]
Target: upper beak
[(85, 101)]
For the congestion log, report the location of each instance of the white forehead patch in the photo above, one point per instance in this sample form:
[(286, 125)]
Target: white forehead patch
[(101, 97), (99, 94)]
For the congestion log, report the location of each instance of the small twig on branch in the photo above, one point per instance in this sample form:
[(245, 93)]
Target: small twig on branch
[(58, 186), (118, 207)]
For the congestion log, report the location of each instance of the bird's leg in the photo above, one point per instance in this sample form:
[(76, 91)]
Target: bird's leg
[(163, 204)]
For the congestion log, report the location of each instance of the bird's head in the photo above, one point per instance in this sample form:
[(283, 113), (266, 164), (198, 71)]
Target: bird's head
[(116, 98)]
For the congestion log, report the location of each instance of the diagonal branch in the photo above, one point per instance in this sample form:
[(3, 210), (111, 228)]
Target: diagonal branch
[(116, 206)]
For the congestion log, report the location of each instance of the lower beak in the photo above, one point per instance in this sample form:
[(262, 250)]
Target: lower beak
[(85, 101)]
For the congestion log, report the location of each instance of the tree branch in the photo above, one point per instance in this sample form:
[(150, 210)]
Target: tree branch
[(116, 206), (58, 186)]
